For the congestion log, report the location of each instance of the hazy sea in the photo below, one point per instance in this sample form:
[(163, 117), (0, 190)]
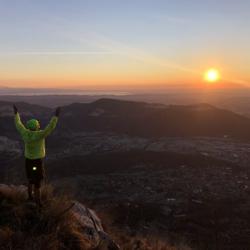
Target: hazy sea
[(32, 92)]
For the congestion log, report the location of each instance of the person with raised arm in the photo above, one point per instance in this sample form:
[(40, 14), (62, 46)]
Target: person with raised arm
[(34, 151)]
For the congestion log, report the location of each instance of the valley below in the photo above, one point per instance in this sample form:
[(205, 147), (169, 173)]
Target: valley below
[(177, 173), (193, 189)]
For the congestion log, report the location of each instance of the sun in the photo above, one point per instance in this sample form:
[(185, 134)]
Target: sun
[(212, 75)]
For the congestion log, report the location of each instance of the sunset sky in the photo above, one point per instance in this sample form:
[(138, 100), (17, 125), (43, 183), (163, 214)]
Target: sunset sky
[(80, 43)]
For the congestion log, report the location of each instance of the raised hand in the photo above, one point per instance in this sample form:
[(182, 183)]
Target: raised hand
[(58, 111), (15, 109)]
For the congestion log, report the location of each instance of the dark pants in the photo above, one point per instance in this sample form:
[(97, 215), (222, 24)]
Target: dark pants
[(34, 171)]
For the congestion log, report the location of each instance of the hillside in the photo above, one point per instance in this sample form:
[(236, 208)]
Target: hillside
[(174, 187), (137, 119), (150, 120), (63, 224), (234, 98)]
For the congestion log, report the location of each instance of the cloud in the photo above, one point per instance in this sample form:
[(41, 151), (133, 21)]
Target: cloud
[(170, 19), (122, 49), (117, 47), (56, 53), (237, 81)]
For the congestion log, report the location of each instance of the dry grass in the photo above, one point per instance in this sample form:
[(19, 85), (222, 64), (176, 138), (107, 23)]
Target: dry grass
[(142, 242), (151, 244), (24, 227), (139, 241)]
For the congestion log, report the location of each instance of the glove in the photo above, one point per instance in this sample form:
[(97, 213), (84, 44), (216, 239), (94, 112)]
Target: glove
[(58, 111), (15, 109)]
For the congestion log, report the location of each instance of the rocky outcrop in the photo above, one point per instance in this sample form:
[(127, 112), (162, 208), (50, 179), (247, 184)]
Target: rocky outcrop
[(91, 226), (88, 223)]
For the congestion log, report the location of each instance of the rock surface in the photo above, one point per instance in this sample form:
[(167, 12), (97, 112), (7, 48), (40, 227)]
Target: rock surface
[(89, 223)]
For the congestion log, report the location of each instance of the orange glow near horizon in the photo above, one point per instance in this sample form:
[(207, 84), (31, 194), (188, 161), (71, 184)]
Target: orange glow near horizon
[(117, 73), (105, 44)]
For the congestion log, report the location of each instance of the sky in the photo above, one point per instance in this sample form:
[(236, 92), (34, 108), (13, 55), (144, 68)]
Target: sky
[(80, 43)]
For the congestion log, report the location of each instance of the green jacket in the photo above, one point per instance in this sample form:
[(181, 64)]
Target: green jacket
[(34, 140)]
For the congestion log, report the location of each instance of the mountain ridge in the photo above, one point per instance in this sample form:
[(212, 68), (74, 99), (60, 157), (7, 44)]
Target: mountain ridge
[(139, 118)]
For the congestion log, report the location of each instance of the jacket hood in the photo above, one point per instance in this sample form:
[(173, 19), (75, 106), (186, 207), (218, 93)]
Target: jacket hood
[(33, 124)]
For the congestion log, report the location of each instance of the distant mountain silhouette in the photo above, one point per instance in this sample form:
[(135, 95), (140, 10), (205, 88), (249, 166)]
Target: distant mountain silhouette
[(143, 119), (137, 119)]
